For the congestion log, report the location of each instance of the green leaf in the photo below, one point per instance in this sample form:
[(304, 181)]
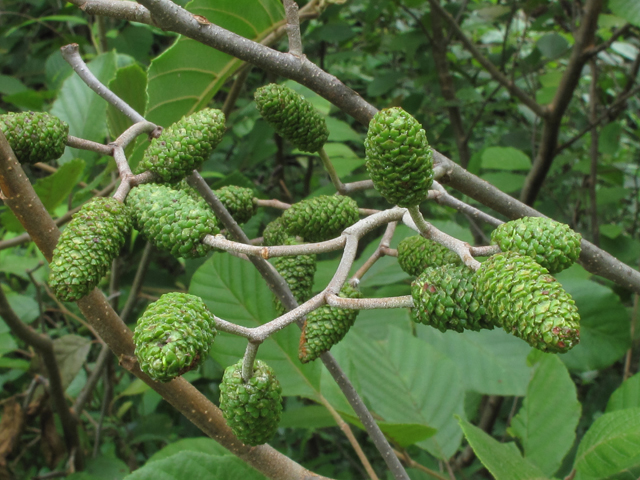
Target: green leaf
[(406, 434), (343, 158), (552, 45), (71, 352), (341, 131), (10, 85), (196, 465), (626, 396), (25, 307), (198, 444), (382, 84), (604, 323), (14, 363), (137, 387), (234, 290), (505, 158), (107, 468), (611, 444), (311, 417), (187, 75), (627, 9), (130, 84), (18, 265), (405, 381), (548, 417), (490, 362), (609, 138), (56, 187), (506, 181), (50, 18), (7, 343), (503, 460), (82, 108)]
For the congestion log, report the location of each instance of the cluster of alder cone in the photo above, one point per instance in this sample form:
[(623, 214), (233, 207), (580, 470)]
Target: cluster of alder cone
[(452, 291)]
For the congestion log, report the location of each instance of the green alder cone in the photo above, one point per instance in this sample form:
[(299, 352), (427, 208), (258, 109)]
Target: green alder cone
[(298, 271), (416, 254), (528, 302), (444, 297), (86, 248), (253, 409), (293, 117), (398, 157), (551, 244), (171, 220), (35, 136), (326, 326), (173, 336), (183, 146), (274, 233), (238, 201), (320, 218)]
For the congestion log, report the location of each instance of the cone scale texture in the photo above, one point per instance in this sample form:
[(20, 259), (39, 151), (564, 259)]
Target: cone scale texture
[(171, 220), (35, 136), (326, 326), (445, 298), (183, 146), (398, 157), (293, 117), (86, 248), (252, 409), (522, 297), (298, 271), (551, 244), (416, 254), (320, 218), (173, 336)]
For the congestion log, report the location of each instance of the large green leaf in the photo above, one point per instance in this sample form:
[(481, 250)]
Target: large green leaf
[(490, 362), (190, 464), (611, 444), (198, 444), (604, 323), (71, 352), (82, 108), (406, 381), (505, 158), (627, 9), (627, 396), (548, 417), (234, 290), (503, 460), (186, 76), (130, 84)]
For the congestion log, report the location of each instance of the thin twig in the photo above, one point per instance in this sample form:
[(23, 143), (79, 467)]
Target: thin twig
[(236, 88), (380, 251), (92, 381), (137, 282), (344, 426), (248, 359), (220, 242), (293, 27), (83, 144), (405, 301), (71, 54), (272, 203), (432, 233), (335, 179), (411, 463)]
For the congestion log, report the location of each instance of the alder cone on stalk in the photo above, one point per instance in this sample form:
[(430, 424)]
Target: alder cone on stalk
[(292, 116), (238, 201), (87, 247), (183, 146), (416, 254), (173, 336), (522, 297), (298, 271), (274, 233), (35, 136), (326, 326), (398, 157), (252, 409), (553, 245), (445, 298), (172, 220), (320, 218)]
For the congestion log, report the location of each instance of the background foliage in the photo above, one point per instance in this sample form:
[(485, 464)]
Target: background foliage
[(524, 414)]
